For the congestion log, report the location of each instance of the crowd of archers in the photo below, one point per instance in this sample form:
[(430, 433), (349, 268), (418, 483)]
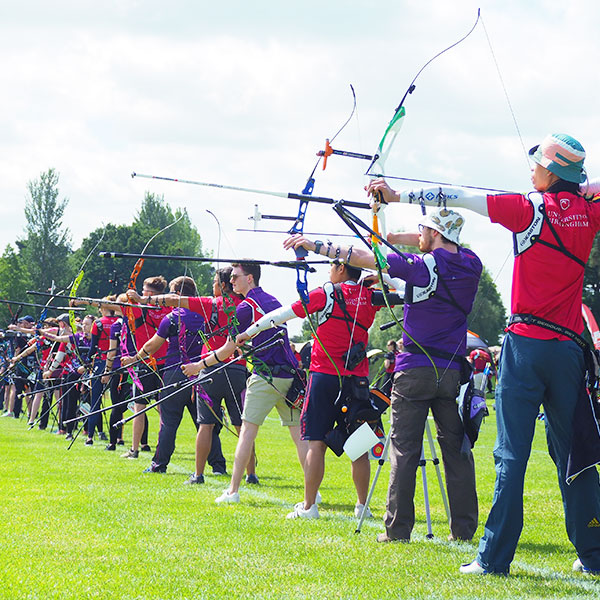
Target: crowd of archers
[(176, 350), (137, 352), (130, 354)]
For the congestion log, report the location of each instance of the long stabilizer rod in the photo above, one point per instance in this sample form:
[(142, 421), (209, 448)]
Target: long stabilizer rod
[(236, 188)]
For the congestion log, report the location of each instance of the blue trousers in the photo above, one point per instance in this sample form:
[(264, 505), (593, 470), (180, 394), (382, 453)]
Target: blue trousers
[(534, 372)]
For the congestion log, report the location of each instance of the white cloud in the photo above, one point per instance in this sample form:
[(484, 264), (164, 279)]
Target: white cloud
[(245, 93)]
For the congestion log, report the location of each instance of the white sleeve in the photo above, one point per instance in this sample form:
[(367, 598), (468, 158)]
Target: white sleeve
[(273, 319), (395, 282), (455, 197), (590, 188), (59, 357)]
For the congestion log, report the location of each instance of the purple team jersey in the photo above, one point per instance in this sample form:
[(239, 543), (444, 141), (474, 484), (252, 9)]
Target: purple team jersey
[(435, 323), (279, 355), (183, 328)]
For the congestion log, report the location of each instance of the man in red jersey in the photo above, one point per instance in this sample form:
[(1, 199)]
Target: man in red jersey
[(145, 324), (541, 361), (344, 310)]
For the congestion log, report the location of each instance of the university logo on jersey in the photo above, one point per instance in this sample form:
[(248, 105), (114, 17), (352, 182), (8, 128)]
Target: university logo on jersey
[(565, 203)]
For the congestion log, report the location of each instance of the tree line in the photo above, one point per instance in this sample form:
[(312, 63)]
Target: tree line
[(44, 256)]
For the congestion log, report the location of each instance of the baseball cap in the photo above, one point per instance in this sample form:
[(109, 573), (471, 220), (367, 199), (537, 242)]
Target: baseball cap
[(64, 318), (27, 318)]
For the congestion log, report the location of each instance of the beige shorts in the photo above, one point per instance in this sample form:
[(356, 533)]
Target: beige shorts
[(261, 398)]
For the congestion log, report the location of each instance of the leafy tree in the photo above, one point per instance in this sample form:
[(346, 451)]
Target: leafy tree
[(14, 281), (591, 280), (47, 247), (105, 276), (378, 338), (488, 317), (305, 333)]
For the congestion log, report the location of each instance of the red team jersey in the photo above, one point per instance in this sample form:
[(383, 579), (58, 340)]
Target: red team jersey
[(103, 333), (146, 324), (545, 281), (334, 334), (214, 315)]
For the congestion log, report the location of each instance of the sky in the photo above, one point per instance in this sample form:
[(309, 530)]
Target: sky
[(245, 93)]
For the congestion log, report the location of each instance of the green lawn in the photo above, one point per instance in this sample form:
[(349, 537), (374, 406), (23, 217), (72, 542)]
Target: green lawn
[(86, 523)]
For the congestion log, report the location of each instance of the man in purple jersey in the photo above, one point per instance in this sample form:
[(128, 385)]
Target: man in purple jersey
[(271, 379), (441, 285), (182, 328)]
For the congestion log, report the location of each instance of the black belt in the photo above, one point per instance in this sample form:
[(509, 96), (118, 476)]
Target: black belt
[(528, 319)]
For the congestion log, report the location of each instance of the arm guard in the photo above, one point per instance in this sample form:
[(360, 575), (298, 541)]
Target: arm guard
[(273, 319)]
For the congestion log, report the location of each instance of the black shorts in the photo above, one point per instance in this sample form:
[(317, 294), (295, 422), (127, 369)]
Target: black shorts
[(227, 384), (319, 413)]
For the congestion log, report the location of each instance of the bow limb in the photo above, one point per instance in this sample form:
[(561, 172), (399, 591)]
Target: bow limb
[(150, 361), (79, 277), (393, 127), (298, 226)]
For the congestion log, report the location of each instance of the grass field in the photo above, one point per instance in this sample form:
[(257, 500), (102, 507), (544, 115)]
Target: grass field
[(86, 523)]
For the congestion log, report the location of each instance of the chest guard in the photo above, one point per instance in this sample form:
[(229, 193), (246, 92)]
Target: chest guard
[(415, 293), (523, 240), (327, 310)]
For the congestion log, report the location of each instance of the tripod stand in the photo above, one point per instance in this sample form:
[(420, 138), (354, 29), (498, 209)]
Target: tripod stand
[(422, 464)]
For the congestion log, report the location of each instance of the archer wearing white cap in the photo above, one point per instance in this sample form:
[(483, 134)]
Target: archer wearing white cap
[(544, 357)]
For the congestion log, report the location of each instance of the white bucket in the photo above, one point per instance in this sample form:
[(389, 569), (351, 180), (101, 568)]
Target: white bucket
[(361, 441)]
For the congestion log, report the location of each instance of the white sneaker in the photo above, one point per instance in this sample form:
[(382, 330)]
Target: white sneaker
[(578, 567), (299, 512), (358, 511), (318, 498), (473, 568), (228, 498)]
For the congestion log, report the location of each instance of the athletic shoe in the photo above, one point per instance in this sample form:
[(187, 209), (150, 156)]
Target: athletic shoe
[(69, 436), (6, 413), (153, 469), (473, 568), (194, 479), (31, 424), (89, 442), (300, 513), (384, 538), (111, 447), (578, 567), (453, 538), (130, 454), (358, 509), (120, 442), (102, 436), (318, 498), (219, 472), (252, 479), (227, 498), (145, 448)]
